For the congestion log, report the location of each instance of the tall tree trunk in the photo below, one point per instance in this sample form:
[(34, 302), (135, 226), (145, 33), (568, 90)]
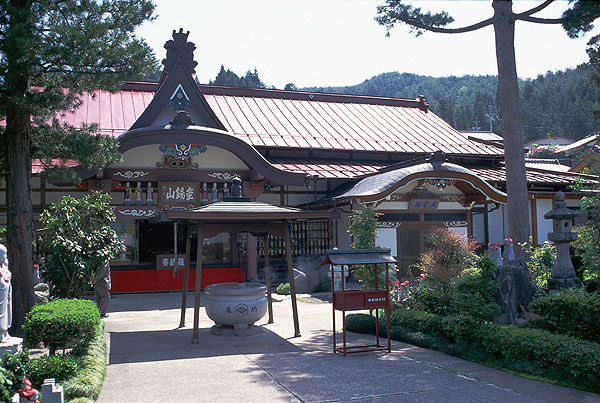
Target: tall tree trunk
[(516, 181), (18, 175)]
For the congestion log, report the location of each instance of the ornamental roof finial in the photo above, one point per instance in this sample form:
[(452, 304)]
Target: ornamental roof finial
[(179, 46)]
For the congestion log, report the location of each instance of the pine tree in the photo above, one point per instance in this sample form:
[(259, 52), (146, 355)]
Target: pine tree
[(503, 22), (50, 53)]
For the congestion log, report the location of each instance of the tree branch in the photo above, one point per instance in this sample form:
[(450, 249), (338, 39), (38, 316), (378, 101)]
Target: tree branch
[(468, 28), (538, 20), (534, 10)]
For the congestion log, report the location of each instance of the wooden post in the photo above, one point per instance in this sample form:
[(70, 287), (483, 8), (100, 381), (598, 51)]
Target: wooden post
[(176, 269), (288, 252), (268, 279), (198, 282), (186, 274)]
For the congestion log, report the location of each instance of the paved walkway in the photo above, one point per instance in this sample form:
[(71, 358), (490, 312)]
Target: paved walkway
[(153, 361)]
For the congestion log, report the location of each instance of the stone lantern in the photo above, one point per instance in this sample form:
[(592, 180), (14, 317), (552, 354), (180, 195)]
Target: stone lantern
[(563, 273)]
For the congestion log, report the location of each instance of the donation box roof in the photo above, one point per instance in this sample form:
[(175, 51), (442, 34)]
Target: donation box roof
[(358, 256)]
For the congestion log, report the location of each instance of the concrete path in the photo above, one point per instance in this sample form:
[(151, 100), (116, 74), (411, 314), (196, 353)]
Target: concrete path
[(153, 361)]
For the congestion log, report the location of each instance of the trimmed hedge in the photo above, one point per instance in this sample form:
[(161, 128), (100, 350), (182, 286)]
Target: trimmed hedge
[(578, 359), (361, 323), (61, 322), (571, 312), (535, 351), (59, 367)]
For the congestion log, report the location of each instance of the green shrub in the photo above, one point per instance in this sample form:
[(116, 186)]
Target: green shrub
[(572, 312), (431, 296), (324, 286), (61, 322), (417, 321), (471, 293), (586, 248), (77, 242), (284, 289), (12, 374), (360, 323), (452, 328), (460, 329), (576, 359), (541, 261), (475, 306), (479, 280), (59, 367)]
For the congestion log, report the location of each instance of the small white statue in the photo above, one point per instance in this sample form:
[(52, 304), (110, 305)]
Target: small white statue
[(5, 296)]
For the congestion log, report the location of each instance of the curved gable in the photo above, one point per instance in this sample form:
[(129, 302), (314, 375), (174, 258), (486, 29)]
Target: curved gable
[(378, 187), (214, 138)]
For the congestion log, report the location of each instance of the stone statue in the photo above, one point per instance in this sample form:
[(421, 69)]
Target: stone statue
[(204, 200), (149, 201), (215, 193), (5, 296), (127, 195)]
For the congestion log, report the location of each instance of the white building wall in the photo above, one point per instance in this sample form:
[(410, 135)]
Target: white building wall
[(497, 225), (543, 226), (386, 237)]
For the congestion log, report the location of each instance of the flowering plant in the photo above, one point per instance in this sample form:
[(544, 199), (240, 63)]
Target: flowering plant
[(508, 241)]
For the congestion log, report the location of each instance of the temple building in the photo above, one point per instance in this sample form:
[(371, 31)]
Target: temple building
[(187, 148)]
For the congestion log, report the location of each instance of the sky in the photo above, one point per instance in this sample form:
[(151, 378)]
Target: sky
[(338, 42)]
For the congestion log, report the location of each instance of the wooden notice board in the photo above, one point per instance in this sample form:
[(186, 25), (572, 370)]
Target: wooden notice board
[(179, 193)]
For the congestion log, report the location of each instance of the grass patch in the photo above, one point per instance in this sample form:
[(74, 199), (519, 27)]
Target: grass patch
[(87, 384)]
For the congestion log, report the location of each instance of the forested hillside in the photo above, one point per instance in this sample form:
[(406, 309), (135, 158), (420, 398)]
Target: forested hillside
[(555, 104)]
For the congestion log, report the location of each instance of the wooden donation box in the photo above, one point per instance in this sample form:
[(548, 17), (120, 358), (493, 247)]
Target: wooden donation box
[(341, 262)]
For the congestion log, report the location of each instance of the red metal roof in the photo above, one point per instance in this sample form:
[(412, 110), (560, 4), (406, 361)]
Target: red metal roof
[(114, 112), (327, 168), (294, 119), (533, 176), (337, 122)]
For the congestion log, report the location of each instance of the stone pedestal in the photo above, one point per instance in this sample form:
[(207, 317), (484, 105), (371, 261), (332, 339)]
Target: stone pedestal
[(52, 392), (13, 345)]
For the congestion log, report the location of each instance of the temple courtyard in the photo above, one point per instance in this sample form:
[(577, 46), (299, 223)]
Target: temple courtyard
[(152, 360)]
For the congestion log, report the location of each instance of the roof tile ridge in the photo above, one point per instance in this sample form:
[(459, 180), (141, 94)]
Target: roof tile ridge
[(210, 89)]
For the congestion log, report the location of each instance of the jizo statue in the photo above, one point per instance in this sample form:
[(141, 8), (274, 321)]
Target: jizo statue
[(5, 296)]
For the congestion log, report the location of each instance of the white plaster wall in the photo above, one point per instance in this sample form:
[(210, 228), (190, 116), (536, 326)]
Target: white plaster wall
[(149, 155), (543, 226), (478, 228), (395, 205), (386, 237), (497, 225)]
